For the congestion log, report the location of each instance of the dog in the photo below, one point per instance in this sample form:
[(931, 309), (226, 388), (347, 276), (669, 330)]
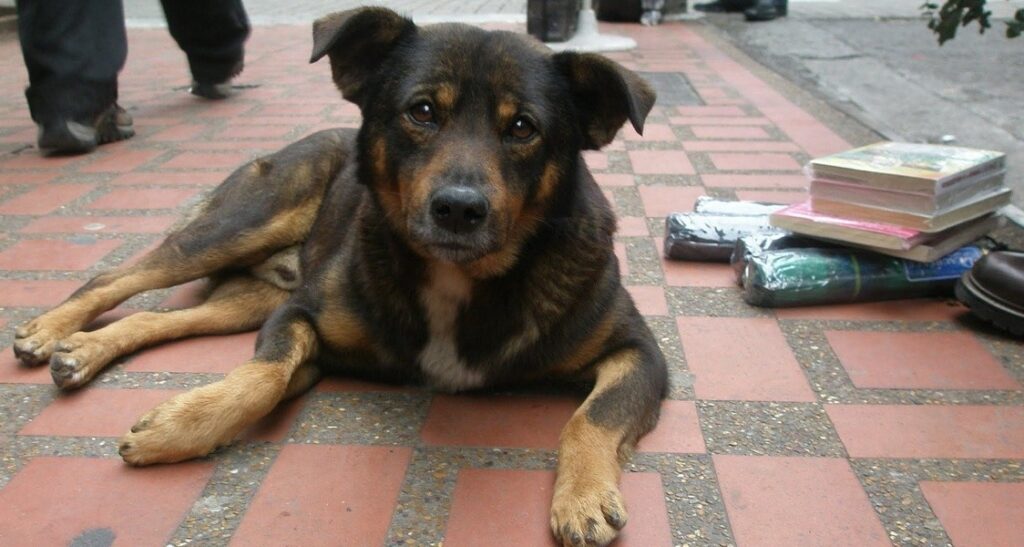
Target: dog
[(456, 239)]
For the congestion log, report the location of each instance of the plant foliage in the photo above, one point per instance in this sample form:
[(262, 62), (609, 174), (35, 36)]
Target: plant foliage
[(946, 18)]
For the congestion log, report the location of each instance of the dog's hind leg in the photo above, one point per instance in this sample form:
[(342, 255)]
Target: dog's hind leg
[(237, 304), (195, 423), (264, 206)]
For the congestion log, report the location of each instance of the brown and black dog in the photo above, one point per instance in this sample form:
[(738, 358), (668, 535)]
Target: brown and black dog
[(456, 240)]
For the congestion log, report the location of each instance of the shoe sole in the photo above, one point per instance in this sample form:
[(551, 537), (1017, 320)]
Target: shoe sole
[(988, 307)]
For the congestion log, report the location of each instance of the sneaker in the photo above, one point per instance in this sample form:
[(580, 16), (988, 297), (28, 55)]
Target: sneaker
[(63, 136)]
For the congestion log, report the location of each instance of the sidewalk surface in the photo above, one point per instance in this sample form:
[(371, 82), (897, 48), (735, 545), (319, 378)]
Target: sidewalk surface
[(872, 424)]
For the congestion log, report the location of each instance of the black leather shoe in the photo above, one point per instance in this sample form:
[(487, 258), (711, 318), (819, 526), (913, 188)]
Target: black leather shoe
[(66, 136), (994, 290)]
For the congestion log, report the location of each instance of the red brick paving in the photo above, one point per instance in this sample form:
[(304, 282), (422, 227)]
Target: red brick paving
[(678, 430), (938, 396), (698, 274), (978, 514), (744, 359), (139, 198), (119, 161), (96, 412), (44, 199), (35, 293), (893, 310), (918, 360), (614, 179), (796, 182), (931, 431), (13, 372), (660, 200), (754, 162), (510, 508), (137, 506), (100, 225), (649, 299), (206, 160), (326, 495), (55, 255), (200, 354), (796, 501), (511, 422), (739, 146), (660, 162), (728, 132)]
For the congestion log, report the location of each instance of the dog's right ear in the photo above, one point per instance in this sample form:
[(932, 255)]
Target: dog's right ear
[(357, 42)]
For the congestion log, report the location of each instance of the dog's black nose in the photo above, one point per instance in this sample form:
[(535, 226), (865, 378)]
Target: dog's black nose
[(459, 209)]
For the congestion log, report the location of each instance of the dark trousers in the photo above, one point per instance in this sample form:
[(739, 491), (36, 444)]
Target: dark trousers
[(74, 49)]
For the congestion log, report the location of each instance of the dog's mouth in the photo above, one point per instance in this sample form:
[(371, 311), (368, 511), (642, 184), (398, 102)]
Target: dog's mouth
[(456, 251), (450, 247)]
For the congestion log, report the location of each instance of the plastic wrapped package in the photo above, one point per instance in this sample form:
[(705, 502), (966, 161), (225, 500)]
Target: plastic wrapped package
[(773, 240), (806, 277), (710, 238), (714, 206)]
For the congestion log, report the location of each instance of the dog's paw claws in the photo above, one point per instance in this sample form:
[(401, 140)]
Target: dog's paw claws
[(76, 360), (26, 330), (587, 517), (33, 345), (65, 371)]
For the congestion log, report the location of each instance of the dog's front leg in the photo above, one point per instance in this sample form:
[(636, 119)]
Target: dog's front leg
[(195, 423), (587, 507)]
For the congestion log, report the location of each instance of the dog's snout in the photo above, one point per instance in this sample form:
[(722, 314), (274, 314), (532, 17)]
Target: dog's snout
[(459, 209)]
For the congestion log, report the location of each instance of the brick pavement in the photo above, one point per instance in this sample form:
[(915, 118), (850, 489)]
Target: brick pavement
[(899, 422)]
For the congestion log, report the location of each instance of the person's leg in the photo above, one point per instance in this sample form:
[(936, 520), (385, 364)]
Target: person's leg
[(212, 34), (73, 52)]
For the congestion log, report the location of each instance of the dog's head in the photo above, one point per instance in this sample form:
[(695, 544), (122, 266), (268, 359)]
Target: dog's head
[(471, 138)]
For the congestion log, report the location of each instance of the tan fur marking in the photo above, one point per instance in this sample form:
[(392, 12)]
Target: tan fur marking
[(589, 350), (195, 423), (237, 305), (445, 97), (341, 329), (589, 466), (507, 109)]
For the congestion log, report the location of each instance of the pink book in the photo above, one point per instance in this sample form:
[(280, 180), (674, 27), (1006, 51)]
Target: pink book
[(801, 219)]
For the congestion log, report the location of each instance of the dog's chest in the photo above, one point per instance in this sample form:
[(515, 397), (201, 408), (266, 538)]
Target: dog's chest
[(446, 292)]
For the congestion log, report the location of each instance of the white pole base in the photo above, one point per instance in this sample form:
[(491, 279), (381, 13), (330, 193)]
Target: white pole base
[(587, 38)]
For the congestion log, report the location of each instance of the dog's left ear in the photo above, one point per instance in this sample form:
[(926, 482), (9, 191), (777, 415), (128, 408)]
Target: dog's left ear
[(606, 95), (357, 41)]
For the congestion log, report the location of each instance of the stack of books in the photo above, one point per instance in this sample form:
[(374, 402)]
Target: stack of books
[(914, 201)]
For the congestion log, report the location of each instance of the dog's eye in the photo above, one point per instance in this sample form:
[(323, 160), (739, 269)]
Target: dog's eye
[(522, 129), (422, 113)]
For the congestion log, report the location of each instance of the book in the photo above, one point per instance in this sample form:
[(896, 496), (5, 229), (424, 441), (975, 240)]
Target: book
[(980, 206), (924, 203), (908, 167), (946, 242), (801, 219)]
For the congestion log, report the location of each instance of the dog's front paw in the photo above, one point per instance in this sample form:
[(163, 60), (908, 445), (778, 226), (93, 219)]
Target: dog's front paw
[(176, 430), (587, 513), (76, 359), (34, 342)]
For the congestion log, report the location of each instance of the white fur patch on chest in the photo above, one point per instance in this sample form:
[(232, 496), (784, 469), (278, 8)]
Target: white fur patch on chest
[(446, 292)]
